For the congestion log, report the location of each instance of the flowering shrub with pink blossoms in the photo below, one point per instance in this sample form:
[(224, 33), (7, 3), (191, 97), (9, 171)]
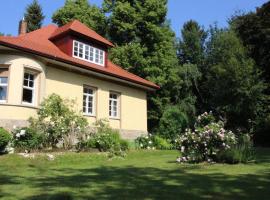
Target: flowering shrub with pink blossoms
[(206, 142)]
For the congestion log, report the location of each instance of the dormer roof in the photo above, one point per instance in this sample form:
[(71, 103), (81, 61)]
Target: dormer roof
[(79, 28)]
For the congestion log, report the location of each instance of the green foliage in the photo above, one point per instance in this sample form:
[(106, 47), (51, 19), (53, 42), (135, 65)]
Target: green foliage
[(161, 143), (152, 142), (232, 86), (57, 120), (146, 47), (105, 139), (172, 122), (34, 16), (27, 139), (254, 30), (242, 152), (191, 45), (81, 10), (5, 138), (144, 142)]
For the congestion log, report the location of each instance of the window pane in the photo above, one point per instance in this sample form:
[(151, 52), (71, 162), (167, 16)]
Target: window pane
[(25, 83), (91, 54), (3, 92), (3, 80), (31, 84), (27, 95), (96, 55), (31, 77)]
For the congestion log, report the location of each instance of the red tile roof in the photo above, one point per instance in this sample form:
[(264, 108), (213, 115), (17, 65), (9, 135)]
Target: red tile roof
[(82, 29), (37, 42)]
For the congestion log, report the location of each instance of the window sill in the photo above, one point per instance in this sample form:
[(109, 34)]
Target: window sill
[(28, 104), (19, 105), (114, 118), (88, 115)]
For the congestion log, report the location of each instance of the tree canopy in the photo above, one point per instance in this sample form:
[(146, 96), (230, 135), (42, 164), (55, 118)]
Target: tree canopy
[(81, 10)]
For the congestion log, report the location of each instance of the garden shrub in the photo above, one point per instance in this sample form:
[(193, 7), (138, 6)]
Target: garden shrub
[(242, 152), (27, 139), (172, 122), (161, 143), (105, 139), (5, 138), (58, 120), (152, 142), (144, 142), (206, 142)]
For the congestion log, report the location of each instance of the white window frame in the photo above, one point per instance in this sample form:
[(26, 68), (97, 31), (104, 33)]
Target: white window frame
[(100, 55), (93, 95), (30, 88), (4, 85), (111, 101)]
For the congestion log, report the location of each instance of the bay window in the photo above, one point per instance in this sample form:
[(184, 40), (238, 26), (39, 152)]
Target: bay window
[(28, 88), (3, 84)]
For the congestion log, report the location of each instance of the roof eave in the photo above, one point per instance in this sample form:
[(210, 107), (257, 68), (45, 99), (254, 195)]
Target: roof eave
[(147, 86)]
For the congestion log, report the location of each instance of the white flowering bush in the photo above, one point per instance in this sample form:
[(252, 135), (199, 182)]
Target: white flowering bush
[(58, 120), (152, 142), (207, 140), (145, 142), (27, 139)]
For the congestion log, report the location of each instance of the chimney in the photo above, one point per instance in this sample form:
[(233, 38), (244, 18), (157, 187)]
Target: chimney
[(22, 27)]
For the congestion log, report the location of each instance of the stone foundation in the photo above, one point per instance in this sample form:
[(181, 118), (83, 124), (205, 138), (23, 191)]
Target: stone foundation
[(126, 134), (10, 124)]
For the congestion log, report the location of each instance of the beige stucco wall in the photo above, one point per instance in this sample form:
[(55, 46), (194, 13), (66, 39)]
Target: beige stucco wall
[(133, 105)]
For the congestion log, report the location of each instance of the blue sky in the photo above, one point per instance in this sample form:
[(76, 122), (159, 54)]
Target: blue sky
[(206, 12)]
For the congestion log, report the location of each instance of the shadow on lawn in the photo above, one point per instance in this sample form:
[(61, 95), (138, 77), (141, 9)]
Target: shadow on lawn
[(130, 182)]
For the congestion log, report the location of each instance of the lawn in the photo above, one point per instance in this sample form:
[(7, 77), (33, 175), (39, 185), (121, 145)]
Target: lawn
[(141, 175)]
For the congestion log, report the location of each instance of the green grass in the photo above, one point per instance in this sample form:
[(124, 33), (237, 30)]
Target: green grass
[(142, 175)]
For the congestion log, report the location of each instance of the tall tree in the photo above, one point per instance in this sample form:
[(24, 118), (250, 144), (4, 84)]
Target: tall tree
[(232, 86), (191, 50), (191, 45), (81, 10), (34, 16), (145, 41), (254, 30)]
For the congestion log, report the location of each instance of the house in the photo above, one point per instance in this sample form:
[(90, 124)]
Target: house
[(71, 61)]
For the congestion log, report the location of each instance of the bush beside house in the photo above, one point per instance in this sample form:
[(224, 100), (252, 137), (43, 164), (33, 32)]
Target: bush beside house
[(5, 138), (58, 125)]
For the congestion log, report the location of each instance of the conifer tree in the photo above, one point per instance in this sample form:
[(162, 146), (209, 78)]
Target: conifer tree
[(34, 16)]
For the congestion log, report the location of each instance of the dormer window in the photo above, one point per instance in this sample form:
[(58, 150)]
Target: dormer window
[(88, 53)]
